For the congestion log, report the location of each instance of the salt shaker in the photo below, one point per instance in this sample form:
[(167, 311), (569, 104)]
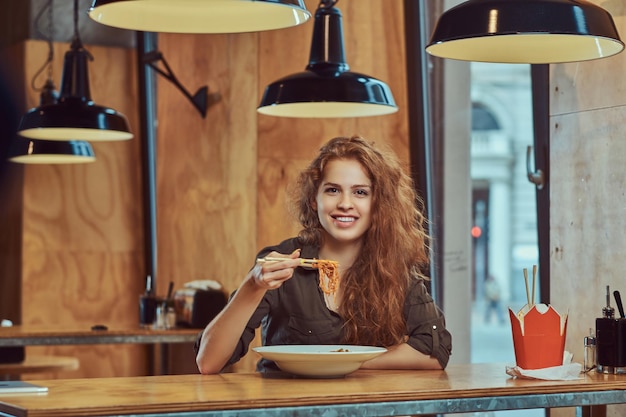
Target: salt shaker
[(590, 352)]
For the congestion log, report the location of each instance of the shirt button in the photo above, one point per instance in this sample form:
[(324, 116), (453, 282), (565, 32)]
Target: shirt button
[(310, 332), (434, 327)]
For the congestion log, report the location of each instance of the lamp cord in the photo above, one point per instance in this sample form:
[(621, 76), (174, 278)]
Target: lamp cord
[(77, 44), (49, 36), (76, 36), (327, 4)]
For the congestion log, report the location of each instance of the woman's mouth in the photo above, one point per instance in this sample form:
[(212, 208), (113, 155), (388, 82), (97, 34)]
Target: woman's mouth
[(344, 219)]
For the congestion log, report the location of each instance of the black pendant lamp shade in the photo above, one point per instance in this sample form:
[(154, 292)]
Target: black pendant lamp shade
[(199, 16), (33, 151), (525, 31), (327, 88), (75, 115)]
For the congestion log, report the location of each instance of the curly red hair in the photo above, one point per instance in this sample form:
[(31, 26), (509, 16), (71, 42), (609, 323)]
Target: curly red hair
[(395, 249)]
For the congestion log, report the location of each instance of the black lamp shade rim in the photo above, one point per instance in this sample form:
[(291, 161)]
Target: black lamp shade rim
[(345, 87), (196, 16), (73, 118), (566, 20), (27, 151)]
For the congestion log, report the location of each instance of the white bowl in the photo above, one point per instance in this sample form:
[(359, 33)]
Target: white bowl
[(319, 361)]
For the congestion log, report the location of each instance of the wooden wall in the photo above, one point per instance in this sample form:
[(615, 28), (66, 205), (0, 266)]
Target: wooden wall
[(82, 250), (220, 180), (588, 187)]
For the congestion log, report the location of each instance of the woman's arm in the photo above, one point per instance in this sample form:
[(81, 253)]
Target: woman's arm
[(220, 337), (402, 356)]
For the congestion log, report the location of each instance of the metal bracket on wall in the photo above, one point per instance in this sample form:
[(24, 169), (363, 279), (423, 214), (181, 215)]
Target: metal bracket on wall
[(201, 100), (536, 177)]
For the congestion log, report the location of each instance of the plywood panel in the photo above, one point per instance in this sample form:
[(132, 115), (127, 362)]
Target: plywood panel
[(206, 174), (592, 84), (82, 230), (207, 167)]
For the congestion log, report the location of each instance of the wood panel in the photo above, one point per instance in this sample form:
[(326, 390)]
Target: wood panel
[(82, 230), (206, 173)]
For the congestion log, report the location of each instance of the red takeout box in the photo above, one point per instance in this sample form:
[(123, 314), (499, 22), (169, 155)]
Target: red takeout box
[(538, 336)]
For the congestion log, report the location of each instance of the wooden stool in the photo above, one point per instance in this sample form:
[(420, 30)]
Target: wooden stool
[(38, 363)]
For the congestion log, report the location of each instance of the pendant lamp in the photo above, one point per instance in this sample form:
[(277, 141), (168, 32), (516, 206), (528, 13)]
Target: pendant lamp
[(327, 88), (33, 151), (199, 16), (75, 115), (525, 31)]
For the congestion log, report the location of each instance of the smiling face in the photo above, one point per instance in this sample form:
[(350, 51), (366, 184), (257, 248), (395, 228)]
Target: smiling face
[(344, 201)]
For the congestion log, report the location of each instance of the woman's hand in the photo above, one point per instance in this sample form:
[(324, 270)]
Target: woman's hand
[(270, 275)]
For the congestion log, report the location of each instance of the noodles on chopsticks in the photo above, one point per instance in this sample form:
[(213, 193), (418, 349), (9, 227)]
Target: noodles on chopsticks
[(329, 270)]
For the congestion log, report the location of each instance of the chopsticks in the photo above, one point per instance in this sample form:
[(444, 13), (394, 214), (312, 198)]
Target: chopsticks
[(530, 296), (303, 261)]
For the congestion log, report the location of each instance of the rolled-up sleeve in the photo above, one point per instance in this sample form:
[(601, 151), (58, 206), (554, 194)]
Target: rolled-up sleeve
[(426, 325)]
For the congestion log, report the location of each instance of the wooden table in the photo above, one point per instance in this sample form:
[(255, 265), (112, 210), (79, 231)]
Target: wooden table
[(459, 389), (43, 335), (29, 335), (37, 363)]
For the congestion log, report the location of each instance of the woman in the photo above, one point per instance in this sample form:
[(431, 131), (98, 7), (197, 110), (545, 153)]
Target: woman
[(357, 207)]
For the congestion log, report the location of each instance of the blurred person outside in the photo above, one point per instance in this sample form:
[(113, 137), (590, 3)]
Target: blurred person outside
[(493, 300)]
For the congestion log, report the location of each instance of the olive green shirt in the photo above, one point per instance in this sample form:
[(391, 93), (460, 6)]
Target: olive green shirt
[(296, 314)]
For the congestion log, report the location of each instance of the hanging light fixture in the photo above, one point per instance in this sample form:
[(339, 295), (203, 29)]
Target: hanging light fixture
[(32, 151), (327, 88), (199, 16), (75, 115), (525, 31)]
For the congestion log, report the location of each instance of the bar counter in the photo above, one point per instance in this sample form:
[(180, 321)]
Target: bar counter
[(31, 335), (46, 335), (460, 388)]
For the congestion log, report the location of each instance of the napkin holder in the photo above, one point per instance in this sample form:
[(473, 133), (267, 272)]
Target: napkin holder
[(611, 345), (538, 336), (12, 354), (197, 304)]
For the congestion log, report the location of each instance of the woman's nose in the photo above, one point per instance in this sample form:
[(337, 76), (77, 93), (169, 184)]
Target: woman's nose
[(345, 203)]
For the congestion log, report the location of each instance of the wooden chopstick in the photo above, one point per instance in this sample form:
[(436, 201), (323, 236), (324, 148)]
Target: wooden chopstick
[(532, 299), (303, 261), (527, 289)]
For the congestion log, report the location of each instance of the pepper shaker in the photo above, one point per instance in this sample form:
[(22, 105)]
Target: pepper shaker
[(590, 352)]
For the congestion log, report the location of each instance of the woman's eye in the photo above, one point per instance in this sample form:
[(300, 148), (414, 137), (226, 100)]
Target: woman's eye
[(331, 190), (362, 192)]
